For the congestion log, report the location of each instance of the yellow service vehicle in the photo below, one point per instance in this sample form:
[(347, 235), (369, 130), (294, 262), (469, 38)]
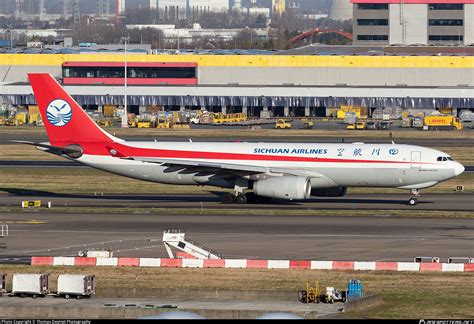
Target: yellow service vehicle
[(229, 118), (361, 125), (442, 122), (351, 126), (163, 123), (20, 118), (145, 124), (34, 119), (282, 124), (307, 124)]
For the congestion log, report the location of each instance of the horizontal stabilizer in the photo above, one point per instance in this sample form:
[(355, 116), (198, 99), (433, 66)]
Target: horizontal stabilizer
[(71, 150)]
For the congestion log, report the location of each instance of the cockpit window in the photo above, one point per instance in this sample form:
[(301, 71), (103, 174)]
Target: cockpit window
[(444, 158)]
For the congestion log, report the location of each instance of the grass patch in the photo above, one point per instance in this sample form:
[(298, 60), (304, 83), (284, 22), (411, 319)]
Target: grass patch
[(236, 211), (406, 294)]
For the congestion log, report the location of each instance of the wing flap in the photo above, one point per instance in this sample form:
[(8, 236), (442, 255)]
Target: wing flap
[(235, 168)]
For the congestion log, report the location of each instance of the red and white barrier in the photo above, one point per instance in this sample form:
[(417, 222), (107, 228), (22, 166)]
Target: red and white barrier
[(251, 264)]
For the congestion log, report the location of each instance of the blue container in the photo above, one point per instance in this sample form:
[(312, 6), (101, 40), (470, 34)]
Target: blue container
[(355, 290)]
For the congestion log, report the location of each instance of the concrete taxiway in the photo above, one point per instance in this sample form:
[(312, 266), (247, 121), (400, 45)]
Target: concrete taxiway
[(315, 237), (436, 201)]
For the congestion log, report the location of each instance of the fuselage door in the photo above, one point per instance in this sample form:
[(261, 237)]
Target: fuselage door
[(415, 159)]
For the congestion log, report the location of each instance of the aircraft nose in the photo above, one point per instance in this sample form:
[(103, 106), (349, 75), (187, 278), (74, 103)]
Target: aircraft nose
[(458, 168)]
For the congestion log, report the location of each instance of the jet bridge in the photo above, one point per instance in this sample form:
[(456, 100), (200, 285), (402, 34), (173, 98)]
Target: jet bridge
[(175, 238)]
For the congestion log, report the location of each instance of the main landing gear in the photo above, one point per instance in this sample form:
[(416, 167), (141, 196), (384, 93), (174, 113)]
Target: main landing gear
[(242, 199), (413, 200), (239, 198)]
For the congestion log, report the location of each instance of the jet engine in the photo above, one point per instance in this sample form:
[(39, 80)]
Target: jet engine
[(286, 187), (329, 192)]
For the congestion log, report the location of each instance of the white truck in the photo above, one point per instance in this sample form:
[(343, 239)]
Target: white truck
[(333, 295), (95, 253), (3, 283), (34, 285), (77, 286)]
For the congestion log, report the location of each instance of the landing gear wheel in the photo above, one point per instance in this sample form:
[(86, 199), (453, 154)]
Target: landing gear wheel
[(241, 199), (413, 201), (227, 198)]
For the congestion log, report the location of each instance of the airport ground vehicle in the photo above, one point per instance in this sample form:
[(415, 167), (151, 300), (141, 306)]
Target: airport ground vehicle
[(163, 123), (144, 123), (385, 125), (282, 124), (307, 124), (3, 283), (442, 122), (407, 122), (229, 118), (417, 122), (331, 295), (311, 293), (372, 125), (361, 125), (95, 253), (76, 286), (288, 171), (34, 285), (351, 126)]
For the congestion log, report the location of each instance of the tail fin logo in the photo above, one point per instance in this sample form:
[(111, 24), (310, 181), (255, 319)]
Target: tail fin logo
[(59, 112)]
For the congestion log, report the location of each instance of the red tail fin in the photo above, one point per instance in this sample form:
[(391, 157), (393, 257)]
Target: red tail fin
[(65, 121)]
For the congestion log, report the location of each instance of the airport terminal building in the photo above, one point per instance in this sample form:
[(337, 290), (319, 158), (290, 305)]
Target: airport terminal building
[(260, 85)]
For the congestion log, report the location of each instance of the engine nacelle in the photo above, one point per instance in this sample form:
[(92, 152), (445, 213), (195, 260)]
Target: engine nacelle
[(286, 187), (329, 192)]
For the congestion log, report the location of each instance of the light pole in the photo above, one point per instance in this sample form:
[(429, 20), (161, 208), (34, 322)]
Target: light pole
[(125, 112), (10, 30)]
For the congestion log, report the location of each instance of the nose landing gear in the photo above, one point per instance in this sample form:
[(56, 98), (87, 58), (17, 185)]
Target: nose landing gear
[(414, 200)]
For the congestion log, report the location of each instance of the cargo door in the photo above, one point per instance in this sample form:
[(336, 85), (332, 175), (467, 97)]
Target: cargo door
[(415, 159)]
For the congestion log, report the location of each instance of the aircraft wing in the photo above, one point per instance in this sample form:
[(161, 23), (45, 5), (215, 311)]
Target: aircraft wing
[(238, 169)]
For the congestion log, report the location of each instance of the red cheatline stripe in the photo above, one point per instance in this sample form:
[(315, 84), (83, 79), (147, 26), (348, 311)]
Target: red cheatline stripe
[(125, 150)]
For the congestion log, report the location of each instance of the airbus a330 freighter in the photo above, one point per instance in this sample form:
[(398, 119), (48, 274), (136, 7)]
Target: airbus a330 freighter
[(253, 170)]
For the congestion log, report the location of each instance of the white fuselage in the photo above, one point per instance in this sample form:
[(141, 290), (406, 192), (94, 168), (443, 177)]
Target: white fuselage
[(341, 165)]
